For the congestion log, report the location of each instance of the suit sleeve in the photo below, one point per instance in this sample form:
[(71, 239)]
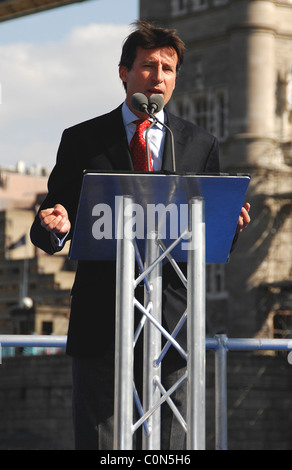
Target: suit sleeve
[(63, 188)]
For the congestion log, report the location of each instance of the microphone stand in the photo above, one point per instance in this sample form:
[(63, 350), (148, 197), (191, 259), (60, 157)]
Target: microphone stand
[(155, 121), (147, 142)]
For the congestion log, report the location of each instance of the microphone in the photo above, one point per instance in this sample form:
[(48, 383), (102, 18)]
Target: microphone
[(155, 104), (139, 102)]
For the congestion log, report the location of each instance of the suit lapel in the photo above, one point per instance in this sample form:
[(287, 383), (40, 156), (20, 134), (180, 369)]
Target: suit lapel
[(118, 149)]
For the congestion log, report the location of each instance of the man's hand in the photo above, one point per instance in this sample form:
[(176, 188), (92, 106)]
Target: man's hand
[(244, 218), (55, 219)]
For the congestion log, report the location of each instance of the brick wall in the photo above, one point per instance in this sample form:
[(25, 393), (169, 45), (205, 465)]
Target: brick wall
[(259, 401), (35, 402)]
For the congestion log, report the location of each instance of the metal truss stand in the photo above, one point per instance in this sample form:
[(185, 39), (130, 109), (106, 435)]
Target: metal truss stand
[(154, 394), (104, 203)]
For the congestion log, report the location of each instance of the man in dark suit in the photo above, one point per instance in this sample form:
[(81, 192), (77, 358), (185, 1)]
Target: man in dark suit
[(150, 61)]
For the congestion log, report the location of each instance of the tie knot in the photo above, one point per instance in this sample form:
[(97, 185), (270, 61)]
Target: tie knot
[(141, 125)]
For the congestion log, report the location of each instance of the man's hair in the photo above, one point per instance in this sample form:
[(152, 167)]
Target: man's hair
[(149, 36)]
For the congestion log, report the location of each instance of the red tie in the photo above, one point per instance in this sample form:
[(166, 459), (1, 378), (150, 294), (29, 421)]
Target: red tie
[(138, 147)]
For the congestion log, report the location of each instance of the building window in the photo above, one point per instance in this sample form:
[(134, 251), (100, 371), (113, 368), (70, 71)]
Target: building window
[(219, 2), (283, 324), (179, 7), (210, 112), (207, 109), (215, 281), (199, 4), (221, 113), (47, 327)]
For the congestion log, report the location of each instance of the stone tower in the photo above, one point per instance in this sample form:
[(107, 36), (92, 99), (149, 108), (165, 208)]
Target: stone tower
[(237, 83)]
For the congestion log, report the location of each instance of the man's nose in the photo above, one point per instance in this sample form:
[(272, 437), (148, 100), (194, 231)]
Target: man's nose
[(158, 74)]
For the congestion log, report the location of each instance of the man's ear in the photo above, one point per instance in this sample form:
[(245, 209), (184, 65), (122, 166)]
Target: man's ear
[(123, 72)]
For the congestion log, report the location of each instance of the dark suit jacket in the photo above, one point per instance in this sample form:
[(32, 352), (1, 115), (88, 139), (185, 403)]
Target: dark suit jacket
[(101, 144)]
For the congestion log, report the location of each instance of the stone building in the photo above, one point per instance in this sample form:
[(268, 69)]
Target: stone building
[(19, 186), (34, 287), (237, 83)]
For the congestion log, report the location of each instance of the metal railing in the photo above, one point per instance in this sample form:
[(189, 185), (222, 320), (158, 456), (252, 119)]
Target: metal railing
[(22, 341), (220, 344)]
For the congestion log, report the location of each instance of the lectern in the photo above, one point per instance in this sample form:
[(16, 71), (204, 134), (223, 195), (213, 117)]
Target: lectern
[(150, 218)]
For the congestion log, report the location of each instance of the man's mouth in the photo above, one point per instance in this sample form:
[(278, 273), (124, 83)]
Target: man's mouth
[(155, 92)]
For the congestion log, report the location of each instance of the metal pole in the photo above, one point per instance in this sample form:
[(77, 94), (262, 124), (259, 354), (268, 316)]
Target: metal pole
[(124, 353), (152, 345), (196, 334), (221, 393)]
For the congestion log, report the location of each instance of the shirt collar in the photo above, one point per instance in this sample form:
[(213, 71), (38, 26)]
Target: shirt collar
[(129, 116)]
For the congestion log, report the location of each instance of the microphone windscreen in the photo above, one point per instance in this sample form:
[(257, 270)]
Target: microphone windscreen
[(157, 102), (139, 101)]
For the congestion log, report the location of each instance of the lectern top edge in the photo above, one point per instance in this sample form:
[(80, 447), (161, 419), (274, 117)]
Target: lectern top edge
[(164, 173)]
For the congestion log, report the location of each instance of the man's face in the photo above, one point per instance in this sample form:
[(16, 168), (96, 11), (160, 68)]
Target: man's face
[(153, 72)]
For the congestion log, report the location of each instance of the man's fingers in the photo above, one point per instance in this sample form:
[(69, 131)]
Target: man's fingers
[(50, 221), (245, 214), (60, 210), (247, 206), (245, 210), (45, 213), (55, 219), (63, 226), (244, 218)]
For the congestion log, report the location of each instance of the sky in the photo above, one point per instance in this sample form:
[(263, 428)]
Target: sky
[(58, 68)]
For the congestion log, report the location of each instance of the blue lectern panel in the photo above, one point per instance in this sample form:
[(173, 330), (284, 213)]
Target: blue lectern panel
[(160, 202)]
